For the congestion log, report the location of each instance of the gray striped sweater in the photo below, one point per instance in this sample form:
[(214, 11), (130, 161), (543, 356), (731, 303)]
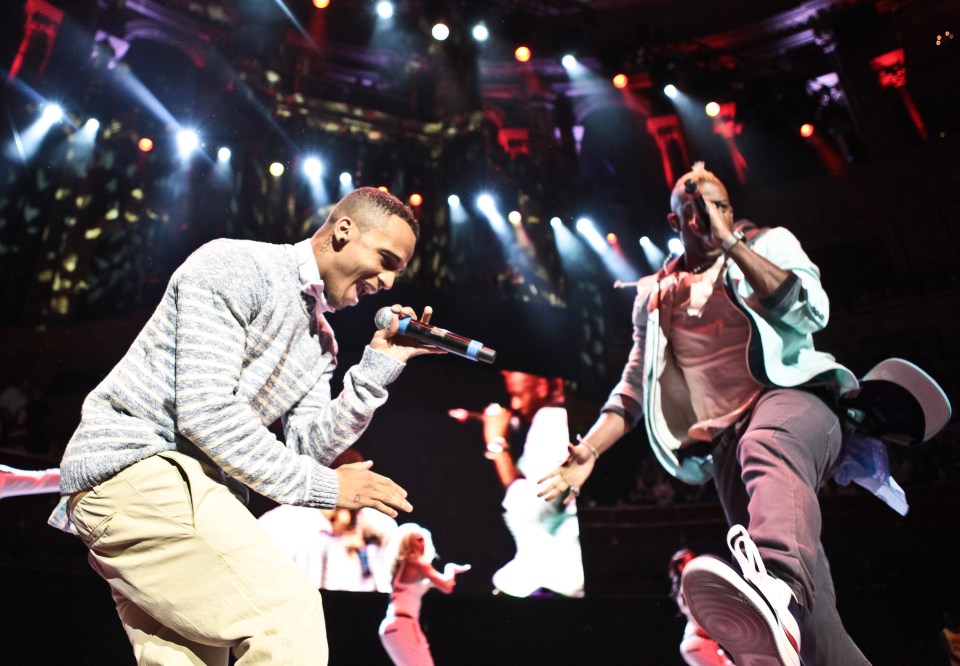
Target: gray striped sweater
[(227, 352)]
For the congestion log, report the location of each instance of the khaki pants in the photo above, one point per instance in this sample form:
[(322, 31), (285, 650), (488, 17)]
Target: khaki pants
[(192, 572)]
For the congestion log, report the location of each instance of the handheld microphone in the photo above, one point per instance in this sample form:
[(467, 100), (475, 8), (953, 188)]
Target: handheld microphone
[(701, 216), (463, 415), (437, 337)]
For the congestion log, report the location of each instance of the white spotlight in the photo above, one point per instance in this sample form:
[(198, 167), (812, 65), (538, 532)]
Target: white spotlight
[(480, 32), (52, 113), (486, 204), (670, 91), (346, 178), (592, 235), (458, 214), (187, 142), (312, 167), (82, 143), (440, 32), (675, 245), (555, 222), (568, 61), (224, 154), (385, 9), (651, 252)]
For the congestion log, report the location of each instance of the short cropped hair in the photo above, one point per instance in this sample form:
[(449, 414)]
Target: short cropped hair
[(556, 394), (371, 206)]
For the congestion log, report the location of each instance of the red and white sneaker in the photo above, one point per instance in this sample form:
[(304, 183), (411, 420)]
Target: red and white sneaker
[(748, 615)]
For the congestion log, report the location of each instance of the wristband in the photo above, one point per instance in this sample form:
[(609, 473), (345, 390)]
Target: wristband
[(496, 446), (596, 454), (735, 237)]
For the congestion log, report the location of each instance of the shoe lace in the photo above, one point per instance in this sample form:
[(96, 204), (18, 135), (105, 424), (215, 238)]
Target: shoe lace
[(778, 594), (747, 556)]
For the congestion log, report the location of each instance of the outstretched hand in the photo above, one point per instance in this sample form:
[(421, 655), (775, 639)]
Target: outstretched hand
[(567, 478), (359, 487), (450, 569), (402, 347)]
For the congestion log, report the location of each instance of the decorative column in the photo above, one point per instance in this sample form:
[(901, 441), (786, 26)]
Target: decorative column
[(891, 72), (725, 126), (43, 22), (666, 131)]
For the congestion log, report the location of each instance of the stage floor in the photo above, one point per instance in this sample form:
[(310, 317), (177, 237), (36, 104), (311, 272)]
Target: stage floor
[(53, 618)]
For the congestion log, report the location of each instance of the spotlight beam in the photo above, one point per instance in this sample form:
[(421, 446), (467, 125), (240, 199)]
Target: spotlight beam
[(16, 138), (613, 260), (247, 94), (296, 24)]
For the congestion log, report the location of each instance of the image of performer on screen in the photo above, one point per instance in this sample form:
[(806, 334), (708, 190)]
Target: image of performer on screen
[(546, 534)]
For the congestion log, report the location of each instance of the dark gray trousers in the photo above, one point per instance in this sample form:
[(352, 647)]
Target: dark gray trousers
[(768, 482)]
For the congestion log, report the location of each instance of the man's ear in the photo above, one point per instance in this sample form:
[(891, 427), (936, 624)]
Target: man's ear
[(673, 221), (343, 231)]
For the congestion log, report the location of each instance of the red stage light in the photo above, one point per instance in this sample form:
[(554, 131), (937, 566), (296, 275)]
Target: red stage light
[(806, 130), (145, 144), (620, 81), (415, 199), (522, 54)]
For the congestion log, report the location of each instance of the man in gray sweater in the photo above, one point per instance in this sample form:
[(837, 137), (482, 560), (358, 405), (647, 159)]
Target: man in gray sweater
[(154, 478)]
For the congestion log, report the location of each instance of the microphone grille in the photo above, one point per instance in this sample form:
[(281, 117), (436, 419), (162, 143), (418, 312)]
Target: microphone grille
[(383, 318)]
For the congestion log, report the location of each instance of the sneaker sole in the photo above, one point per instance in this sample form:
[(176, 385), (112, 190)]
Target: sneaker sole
[(729, 609)]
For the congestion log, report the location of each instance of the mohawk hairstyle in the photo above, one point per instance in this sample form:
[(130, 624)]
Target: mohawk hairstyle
[(698, 173)]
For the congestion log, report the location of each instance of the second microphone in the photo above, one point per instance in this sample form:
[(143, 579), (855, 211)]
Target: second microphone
[(438, 337)]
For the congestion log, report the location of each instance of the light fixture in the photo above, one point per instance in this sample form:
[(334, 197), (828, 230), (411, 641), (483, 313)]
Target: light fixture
[(52, 113), (187, 142), (480, 32), (440, 31), (385, 9), (312, 168)]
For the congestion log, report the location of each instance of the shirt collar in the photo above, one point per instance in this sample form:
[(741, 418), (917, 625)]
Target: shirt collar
[(311, 283)]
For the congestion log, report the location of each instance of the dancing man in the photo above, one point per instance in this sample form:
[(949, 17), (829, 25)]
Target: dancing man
[(724, 372), (155, 477), (546, 534)]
